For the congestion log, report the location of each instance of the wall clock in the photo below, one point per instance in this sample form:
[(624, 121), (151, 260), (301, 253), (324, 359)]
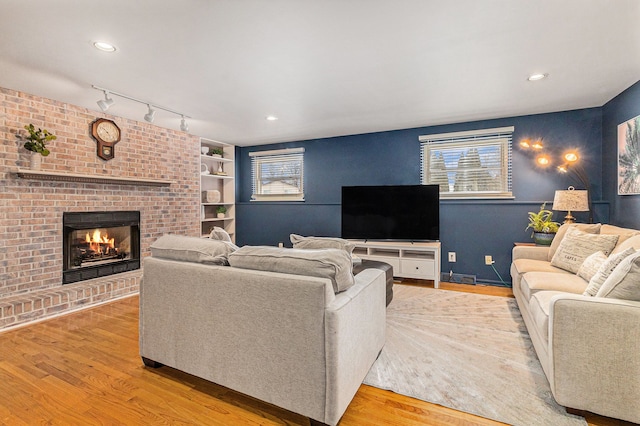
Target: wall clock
[(107, 134)]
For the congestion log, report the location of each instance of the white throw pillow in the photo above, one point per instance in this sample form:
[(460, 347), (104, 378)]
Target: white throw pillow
[(624, 281), (591, 228), (591, 265), (605, 270), (576, 246)]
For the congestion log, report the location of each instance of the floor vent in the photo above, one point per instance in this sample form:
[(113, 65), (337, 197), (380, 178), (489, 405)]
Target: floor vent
[(458, 278)]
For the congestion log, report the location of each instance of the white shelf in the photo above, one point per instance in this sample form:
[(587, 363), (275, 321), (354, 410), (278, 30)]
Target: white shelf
[(225, 184), (409, 260)]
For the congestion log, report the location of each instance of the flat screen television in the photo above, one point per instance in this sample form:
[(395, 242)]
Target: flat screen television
[(391, 212)]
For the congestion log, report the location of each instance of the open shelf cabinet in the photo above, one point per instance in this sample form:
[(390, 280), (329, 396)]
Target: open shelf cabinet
[(217, 174)]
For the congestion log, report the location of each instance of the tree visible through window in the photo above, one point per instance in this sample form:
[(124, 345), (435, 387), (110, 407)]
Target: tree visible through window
[(474, 164), (278, 175)]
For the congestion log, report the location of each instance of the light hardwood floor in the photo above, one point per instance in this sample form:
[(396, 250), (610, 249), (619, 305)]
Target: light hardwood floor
[(84, 369)]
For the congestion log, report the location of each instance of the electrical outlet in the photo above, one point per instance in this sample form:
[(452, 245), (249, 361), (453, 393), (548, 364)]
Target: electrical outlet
[(452, 256), (488, 260), (281, 244)]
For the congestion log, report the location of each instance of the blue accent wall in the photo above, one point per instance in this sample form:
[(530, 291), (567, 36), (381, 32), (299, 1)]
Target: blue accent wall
[(471, 228), (625, 209)]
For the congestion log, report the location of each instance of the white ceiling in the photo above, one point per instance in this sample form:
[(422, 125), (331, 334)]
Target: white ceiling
[(324, 67)]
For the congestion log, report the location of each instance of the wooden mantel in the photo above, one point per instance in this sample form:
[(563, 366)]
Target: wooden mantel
[(73, 177)]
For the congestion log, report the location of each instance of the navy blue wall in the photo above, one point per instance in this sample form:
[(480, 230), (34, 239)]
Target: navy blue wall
[(473, 229), (625, 209)]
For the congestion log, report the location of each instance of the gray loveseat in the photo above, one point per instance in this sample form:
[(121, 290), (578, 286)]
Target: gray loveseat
[(588, 345), (289, 340)]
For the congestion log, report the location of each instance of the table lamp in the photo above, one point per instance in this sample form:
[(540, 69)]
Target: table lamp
[(570, 200)]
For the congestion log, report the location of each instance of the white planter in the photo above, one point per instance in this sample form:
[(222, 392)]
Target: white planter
[(220, 215), (35, 161)]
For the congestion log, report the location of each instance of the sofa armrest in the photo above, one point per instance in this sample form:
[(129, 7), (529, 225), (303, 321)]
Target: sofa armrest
[(530, 252), (355, 330), (594, 349)]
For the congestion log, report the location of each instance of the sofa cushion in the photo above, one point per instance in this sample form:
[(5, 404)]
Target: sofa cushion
[(192, 249), (591, 228), (533, 282), (605, 270), (539, 305), (622, 233), (523, 266), (631, 242), (334, 264), (300, 242), (577, 245), (624, 281), (591, 265)]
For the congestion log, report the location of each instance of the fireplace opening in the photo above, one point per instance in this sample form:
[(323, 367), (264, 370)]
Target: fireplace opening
[(97, 244)]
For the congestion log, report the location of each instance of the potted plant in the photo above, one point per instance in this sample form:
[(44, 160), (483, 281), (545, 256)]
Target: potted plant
[(215, 152), (221, 210), (542, 225), (36, 142)]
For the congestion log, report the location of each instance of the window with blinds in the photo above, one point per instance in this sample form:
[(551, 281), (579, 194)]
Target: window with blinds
[(475, 164), (278, 175)]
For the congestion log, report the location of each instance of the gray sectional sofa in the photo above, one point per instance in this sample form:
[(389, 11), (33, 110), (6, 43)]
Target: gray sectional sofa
[(580, 300), (298, 341)]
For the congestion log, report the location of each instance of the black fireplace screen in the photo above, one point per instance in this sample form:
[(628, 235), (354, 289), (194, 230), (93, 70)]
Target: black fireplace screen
[(98, 244)]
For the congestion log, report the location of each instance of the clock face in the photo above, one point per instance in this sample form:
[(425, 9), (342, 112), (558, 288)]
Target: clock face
[(108, 131)]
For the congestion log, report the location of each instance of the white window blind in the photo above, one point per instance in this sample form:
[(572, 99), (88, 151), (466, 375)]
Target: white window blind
[(278, 175), (475, 164)]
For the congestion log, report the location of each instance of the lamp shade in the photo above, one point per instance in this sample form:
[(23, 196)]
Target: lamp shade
[(571, 200)]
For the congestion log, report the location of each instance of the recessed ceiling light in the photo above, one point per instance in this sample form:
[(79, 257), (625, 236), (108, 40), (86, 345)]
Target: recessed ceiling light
[(104, 46), (271, 118), (537, 76)]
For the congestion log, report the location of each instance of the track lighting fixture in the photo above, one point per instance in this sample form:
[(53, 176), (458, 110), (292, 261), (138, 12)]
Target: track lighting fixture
[(105, 103), (150, 115)]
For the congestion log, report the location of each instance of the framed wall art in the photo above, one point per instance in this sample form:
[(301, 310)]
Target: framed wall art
[(629, 157)]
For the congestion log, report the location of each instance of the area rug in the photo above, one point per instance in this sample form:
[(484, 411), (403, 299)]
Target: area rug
[(468, 352)]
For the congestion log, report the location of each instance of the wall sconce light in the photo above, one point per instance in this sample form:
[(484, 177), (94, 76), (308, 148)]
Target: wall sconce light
[(571, 200), (105, 103)]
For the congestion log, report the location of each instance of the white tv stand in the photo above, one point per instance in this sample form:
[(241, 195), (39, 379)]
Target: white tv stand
[(409, 260)]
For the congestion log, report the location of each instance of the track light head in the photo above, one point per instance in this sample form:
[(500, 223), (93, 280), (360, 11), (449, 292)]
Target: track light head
[(105, 103), (150, 115), (183, 125)]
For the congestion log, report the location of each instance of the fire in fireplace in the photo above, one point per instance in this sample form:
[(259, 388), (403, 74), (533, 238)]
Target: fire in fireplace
[(97, 244)]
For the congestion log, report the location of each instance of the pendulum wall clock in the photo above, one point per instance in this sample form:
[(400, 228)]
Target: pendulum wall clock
[(107, 134)]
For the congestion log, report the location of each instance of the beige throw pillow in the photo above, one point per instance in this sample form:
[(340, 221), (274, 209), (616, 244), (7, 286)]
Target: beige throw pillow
[(624, 281), (576, 246), (334, 264), (591, 228), (605, 270), (591, 265)]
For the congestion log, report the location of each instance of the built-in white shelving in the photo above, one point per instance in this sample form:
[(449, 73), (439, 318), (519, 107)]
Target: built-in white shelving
[(218, 174)]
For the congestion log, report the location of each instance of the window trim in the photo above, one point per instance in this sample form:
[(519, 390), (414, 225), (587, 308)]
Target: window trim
[(255, 155), (502, 136)]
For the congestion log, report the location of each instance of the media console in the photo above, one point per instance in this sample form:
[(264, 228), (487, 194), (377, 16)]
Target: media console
[(409, 260)]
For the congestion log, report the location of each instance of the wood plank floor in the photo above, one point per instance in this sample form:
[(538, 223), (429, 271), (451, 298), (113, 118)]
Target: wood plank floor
[(84, 369)]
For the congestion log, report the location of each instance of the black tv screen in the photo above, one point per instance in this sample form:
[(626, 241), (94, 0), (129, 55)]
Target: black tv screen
[(393, 212)]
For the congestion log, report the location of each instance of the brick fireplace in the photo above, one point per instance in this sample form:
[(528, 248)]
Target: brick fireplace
[(73, 179)]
